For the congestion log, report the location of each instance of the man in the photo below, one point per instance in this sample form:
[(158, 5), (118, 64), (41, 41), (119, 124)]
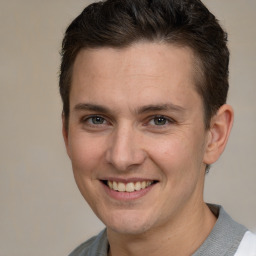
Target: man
[(144, 86)]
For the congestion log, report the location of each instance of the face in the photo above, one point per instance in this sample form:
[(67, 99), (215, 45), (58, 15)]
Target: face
[(136, 135)]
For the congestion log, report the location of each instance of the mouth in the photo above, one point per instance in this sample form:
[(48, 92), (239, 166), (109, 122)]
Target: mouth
[(129, 186)]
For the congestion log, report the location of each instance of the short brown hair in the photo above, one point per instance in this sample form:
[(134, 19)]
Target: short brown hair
[(120, 23)]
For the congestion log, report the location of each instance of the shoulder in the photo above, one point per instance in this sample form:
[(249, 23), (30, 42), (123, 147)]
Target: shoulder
[(247, 246), (82, 248), (97, 245)]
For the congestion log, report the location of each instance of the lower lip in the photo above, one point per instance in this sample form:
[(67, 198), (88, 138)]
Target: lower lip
[(126, 196)]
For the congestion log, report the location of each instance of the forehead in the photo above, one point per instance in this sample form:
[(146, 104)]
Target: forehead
[(142, 71), (149, 58)]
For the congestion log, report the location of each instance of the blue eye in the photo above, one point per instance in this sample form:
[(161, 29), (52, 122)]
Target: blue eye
[(95, 120), (94, 123)]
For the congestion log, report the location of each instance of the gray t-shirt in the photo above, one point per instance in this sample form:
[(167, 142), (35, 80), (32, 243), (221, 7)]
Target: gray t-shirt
[(223, 240)]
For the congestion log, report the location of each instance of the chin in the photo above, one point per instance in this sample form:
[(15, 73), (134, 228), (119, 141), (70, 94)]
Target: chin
[(129, 225), (125, 230)]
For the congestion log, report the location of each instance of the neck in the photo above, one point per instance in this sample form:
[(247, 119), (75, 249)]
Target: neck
[(177, 237)]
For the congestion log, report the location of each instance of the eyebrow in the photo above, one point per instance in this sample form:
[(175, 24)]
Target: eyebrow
[(160, 107), (140, 110), (92, 107)]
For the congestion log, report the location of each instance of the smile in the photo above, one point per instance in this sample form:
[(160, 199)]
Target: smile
[(128, 187)]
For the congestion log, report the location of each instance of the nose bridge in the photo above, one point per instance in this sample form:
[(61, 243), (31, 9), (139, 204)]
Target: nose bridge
[(125, 148)]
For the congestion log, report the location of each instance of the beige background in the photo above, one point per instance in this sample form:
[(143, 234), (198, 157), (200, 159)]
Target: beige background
[(42, 212)]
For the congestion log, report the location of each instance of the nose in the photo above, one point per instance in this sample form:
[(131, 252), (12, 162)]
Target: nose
[(125, 149)]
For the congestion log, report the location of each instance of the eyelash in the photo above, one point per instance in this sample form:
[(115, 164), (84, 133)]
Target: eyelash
[(167, 120), (88, 118)]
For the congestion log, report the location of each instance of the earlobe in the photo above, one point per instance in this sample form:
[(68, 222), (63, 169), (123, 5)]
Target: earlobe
[(219, 131)]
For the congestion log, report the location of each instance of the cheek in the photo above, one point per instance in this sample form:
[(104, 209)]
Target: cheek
[(179, 157), (85, 154), (170, 150)]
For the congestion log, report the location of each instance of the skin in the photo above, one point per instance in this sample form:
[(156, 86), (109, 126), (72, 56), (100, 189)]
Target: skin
[(128, 90)]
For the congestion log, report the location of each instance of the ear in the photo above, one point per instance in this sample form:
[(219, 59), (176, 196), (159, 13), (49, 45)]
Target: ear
[(219, 131), (65, 132)]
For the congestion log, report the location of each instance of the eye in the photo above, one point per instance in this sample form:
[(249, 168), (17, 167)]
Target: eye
[(160, 121), (94, 120)]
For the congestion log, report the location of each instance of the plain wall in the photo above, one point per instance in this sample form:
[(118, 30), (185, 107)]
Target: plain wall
[(42, 211)]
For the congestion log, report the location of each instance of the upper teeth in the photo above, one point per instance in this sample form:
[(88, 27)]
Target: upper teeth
[(129, 187)]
